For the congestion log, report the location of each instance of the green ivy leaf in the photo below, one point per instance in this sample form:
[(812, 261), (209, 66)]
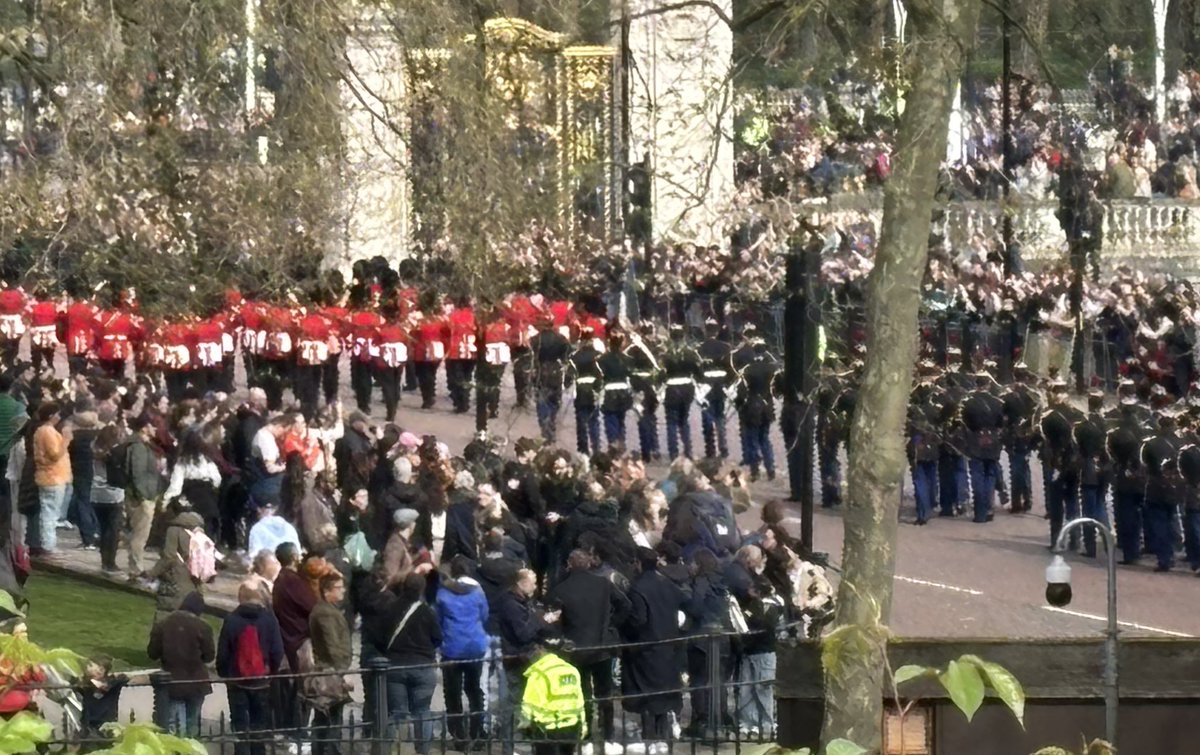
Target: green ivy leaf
[(844, 747), (24, 732), (1003, 684), (910, 672), (8, 604), (964, 685)]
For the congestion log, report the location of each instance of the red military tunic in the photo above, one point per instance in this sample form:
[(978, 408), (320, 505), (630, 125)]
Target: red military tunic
[(119, 331), (390, 348), (522, 315), (81, 328), (250, 319), (362, 330), (312, 339), (564, 317), (279, 325), (209, 335), (43, 325), (338, 319), (13, 302), (178, 339), (462, 330), (496, 343), (432, 333)]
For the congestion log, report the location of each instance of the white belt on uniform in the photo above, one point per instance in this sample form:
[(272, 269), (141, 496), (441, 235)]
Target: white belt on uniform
[(715, 373), (616, 386), (585, 380), (680, 381)]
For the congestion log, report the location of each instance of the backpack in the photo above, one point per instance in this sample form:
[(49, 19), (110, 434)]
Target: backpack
[(202, 556), (250, 663), (116, 467)]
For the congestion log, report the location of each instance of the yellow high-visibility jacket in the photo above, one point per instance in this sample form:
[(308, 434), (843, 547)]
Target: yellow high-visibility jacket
[(553, 695)]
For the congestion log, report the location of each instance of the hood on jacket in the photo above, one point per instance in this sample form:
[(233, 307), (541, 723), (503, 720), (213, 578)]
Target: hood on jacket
[(186, 519), (460, 586)]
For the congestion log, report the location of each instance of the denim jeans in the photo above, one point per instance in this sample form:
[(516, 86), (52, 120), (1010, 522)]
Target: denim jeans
[(83, 514), (183, 716), (51, 500), (410, 691), (756, 700)]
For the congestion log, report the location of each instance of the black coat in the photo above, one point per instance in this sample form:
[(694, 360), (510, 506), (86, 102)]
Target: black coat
[(184, 643), (592, 609), (461, 536), (655, 602)]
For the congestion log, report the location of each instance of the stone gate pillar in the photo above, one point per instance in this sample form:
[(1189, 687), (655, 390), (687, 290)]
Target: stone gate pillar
[(375, 169), (680, 109)]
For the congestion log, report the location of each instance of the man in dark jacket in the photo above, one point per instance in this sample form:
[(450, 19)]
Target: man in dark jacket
[(183, 642), (651, 680), (247, 667), (331, 649), (591, 608), (293, 602), (353, 454), (519, 623)]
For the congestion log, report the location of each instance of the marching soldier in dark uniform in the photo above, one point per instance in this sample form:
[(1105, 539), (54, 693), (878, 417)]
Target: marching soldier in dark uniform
[(739, 358), (831, 428), (497, 354), (644, 374), (1090, 435), (953, 386), (982, 416), (1060, 456), (1189, 473), (1123, 447), (924, 441), (758, 409), (550, 352), (1021, 402), (716, 375), (681, 367), (617, 396), (1159, 454), (584, 373)]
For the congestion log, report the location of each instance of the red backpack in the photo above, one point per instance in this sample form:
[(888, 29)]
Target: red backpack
[(249, 663)]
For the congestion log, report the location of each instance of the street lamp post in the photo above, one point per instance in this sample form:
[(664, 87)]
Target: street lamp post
[(1058, 575)]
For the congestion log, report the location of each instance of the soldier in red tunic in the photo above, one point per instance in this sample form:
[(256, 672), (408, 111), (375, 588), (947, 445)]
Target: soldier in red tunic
[(522, 313), (81, 334), (119, 330), (252, 336), (43, 331), (177, 361), (209, 354), (13, 303), (362, 329), (461, 354), (278, 354), (312, 353), (430, 343), (390, 352), (497, 353), (337, 315)]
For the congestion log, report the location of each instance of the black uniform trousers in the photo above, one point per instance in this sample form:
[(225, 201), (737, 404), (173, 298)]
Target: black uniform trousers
[(360, 382), (389, 384), (458, 380), (308, 388), (522, 362), (427, 382), (487, 393), (330, 377)]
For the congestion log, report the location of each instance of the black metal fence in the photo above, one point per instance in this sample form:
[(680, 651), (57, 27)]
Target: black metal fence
[(725, 701)]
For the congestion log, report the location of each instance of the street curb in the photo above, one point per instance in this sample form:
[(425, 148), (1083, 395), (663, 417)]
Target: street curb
[(100, 580)]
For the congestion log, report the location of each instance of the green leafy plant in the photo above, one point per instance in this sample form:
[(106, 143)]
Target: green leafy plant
[(1095, 747), (966, 681), (24, 732), (137, 739)]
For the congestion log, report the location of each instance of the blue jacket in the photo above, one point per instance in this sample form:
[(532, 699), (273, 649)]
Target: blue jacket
[(462, 610), (269, 639)]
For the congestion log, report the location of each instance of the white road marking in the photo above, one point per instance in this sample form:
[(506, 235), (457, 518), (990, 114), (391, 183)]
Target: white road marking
[(1130, 624), (939, 585)]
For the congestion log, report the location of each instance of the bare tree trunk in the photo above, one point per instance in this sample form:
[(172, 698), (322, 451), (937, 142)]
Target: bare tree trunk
[(1034, 15), (940, 35)]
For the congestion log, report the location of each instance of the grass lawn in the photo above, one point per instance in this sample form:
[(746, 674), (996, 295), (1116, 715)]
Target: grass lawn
[(90, 619)]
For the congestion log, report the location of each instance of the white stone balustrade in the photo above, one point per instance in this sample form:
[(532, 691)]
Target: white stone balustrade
[(1153, 235)]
